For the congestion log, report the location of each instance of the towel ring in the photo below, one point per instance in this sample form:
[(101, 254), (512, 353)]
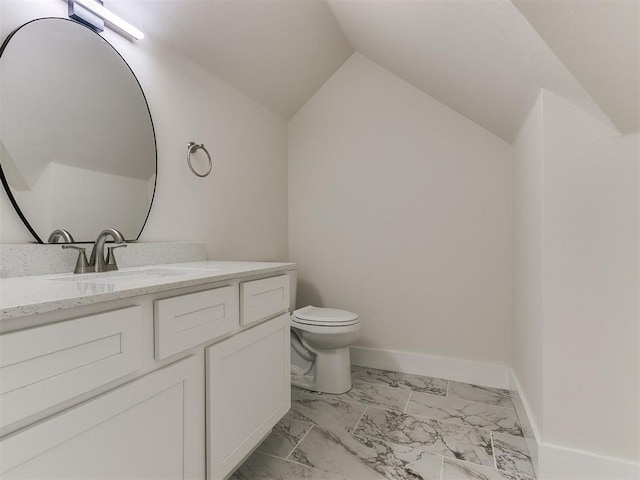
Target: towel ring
[(193, 147)]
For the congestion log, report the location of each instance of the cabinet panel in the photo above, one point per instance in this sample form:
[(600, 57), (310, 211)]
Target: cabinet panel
[(44, 366), (248, 392), (188, 320), (148, 428), (261, 299)]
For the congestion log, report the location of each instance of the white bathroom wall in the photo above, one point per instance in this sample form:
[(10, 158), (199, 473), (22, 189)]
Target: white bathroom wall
[(591, 332), (528, 312), (400, 209), (576, 337), (240, 210)]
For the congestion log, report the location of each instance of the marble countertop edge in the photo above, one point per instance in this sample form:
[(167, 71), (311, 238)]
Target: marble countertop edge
[(32, 295)]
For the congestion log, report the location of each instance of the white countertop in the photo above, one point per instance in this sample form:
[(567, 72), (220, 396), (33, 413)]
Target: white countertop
[(29, 295)]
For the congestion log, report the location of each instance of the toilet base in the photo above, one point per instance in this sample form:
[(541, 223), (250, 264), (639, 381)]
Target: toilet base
[(331, 372)]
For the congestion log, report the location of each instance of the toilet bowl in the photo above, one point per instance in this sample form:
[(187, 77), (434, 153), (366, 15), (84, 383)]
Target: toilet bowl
[(320, 341)]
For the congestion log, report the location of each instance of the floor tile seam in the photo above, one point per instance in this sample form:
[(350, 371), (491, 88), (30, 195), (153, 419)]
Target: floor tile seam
[(369, 436), (510, 435), (421, 448), (360, 418), (424, 417), (488, 388), (515, 471), (493, 451), (462, 425), (302, 465), (338, 396), (299, 442), (456, 397), (406, 405), (361, 404), (518, 472), (467, 462), (383, 385), (475, 402), (404, 374), (398, 388), (419, 417), (297, 420)]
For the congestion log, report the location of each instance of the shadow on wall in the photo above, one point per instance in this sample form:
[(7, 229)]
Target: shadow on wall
[(307, 295)]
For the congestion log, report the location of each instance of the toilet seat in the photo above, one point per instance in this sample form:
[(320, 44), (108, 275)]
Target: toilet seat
[(324, 317)]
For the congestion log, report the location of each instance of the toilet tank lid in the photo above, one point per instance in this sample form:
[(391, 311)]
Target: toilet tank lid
[(328, 315)]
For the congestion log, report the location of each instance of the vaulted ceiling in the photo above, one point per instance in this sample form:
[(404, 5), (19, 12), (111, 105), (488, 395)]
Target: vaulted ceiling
[(486, 59), (277, 51), (599, 42)]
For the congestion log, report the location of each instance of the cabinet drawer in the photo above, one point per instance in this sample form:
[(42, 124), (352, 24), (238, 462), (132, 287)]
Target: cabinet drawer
[(262, 299), (189, 320), (44, 366), (248, 392)]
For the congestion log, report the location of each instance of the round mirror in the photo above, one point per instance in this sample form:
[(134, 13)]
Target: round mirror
[(77, 145)]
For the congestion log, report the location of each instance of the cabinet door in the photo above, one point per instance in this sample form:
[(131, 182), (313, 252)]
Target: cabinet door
[(248, 392), (149, 428)]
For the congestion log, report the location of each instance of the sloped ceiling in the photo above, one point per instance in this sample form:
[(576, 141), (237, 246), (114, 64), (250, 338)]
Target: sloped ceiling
[(599, 42), (483, 58), (279, 52)]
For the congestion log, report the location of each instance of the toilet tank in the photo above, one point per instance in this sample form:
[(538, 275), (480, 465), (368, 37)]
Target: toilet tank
[(293, 282)]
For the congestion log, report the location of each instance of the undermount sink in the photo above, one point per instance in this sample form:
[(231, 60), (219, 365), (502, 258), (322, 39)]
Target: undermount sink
[(129, 275)]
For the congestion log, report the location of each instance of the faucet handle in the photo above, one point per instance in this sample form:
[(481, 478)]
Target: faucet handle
[(82, 266), (111, 258)]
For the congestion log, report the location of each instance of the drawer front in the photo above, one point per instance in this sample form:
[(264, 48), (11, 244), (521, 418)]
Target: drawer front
[(44, 366), (189, 320), (248, 392), (262, 299)]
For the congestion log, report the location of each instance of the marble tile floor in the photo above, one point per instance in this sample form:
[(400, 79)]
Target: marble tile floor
[(395, 426)]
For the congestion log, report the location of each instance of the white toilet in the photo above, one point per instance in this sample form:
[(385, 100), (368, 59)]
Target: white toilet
[(320, 341)]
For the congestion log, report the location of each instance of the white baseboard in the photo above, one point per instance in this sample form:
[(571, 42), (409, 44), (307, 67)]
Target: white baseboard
[(478, 373), (554, 462), (560, 463), (527, 420)]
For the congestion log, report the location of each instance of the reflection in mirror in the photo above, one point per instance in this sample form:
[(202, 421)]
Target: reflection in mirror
[(77, 146)]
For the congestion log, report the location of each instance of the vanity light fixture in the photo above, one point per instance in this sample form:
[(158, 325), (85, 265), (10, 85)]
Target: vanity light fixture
[(94, 14)]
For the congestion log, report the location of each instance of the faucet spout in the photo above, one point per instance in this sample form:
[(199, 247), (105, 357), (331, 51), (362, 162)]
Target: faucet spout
[(97, 259), (60, 233)]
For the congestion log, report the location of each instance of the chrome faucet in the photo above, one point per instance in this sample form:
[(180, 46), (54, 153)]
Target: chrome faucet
[(97, 260), (60, 233)]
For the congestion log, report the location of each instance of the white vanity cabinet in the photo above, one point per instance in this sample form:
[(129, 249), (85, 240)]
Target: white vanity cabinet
[(248, 392), (144, 429), (178, 383), (44, 366)]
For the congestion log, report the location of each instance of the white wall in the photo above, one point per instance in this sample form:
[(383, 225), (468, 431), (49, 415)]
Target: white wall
[(529, 259), (240, 210), (576, 337), (591, 339), (400, 209)]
